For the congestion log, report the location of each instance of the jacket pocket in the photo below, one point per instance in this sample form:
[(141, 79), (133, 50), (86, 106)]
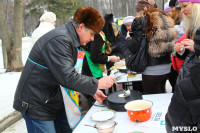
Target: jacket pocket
[(54, 103), (54, 96)]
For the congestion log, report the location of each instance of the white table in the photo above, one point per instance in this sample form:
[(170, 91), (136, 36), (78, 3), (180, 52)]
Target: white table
[(160, 104)]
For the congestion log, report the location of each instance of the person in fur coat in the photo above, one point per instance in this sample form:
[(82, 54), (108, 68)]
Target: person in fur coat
[(160, 33)]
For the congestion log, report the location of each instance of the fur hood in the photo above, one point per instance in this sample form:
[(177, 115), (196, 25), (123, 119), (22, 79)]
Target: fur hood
[(160, 32)]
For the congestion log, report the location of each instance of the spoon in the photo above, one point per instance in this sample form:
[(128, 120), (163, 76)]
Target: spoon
[(90, 125), (127, 93)]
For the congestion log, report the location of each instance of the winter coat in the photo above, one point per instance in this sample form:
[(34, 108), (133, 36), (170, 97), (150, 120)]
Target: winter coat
[(51, 64), (42, 29), (119, 48), (184, 109), (123, 30), (95, 48), (159, 33)]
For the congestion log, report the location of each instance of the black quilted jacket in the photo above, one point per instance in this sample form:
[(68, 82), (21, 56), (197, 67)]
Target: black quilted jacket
[(184, 109), (38, 92)]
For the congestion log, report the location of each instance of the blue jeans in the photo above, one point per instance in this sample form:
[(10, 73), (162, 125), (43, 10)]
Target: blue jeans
[(60, 125)]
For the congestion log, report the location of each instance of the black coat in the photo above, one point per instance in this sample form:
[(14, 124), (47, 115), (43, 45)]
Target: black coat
[(95, 49), (119, 47), (123, 30), (38, 92), (184, 109)]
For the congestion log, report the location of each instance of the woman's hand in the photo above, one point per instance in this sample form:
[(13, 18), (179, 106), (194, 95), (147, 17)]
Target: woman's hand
[(114, 59), (178, 48), (108, 51), (188, 44)]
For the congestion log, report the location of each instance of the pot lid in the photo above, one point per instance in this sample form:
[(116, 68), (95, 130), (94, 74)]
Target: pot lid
[(118, 97)]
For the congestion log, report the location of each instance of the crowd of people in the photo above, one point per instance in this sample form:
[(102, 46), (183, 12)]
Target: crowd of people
[(70, 59)]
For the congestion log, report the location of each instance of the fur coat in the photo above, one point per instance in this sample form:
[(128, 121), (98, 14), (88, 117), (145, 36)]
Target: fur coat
[(160, 32)]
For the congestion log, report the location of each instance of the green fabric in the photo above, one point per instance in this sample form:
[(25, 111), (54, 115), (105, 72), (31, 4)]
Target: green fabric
[(106, 44), (94, 67)]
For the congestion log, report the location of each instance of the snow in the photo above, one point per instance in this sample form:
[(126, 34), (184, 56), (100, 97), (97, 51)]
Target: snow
[(9, 80), (18, 127)]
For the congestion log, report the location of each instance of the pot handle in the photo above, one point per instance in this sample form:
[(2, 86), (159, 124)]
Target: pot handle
[(115, 123), (136, 120), (105, 101)]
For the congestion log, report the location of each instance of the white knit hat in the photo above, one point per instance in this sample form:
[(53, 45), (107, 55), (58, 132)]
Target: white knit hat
[(128, 20), (48, 17)]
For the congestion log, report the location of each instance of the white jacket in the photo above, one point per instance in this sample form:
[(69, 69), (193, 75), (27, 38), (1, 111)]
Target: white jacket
[(42, 29)]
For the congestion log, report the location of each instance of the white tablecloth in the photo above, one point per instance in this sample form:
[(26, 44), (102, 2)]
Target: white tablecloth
[(160, 106)]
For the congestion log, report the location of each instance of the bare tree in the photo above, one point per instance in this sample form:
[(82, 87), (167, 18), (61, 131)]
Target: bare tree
[(12, 43), (119, 8)]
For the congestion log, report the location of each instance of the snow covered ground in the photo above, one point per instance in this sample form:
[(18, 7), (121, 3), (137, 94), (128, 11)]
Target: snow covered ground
[(9, 80), (18, 127)]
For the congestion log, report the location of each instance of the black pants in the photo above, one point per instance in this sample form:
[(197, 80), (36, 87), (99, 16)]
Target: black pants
[(154, 84), (138, 86)]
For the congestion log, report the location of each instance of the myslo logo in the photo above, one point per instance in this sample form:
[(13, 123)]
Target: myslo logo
[(184, 128)]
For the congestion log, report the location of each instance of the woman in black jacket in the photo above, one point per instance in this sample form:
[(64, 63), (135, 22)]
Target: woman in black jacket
[(184, 110)]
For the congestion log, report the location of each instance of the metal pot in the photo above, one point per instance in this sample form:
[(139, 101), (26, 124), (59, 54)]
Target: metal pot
[(139, 110), (117, 100)]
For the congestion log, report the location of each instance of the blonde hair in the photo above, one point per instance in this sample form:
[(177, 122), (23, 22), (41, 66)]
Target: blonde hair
[(192, 23), (115, 28)]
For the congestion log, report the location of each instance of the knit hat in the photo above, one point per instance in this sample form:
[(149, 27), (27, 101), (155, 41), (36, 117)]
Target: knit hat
[(192, 1), (172, 3), (48, 17), (128, 20), (90, 17), (109, 18), (142, 4)]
